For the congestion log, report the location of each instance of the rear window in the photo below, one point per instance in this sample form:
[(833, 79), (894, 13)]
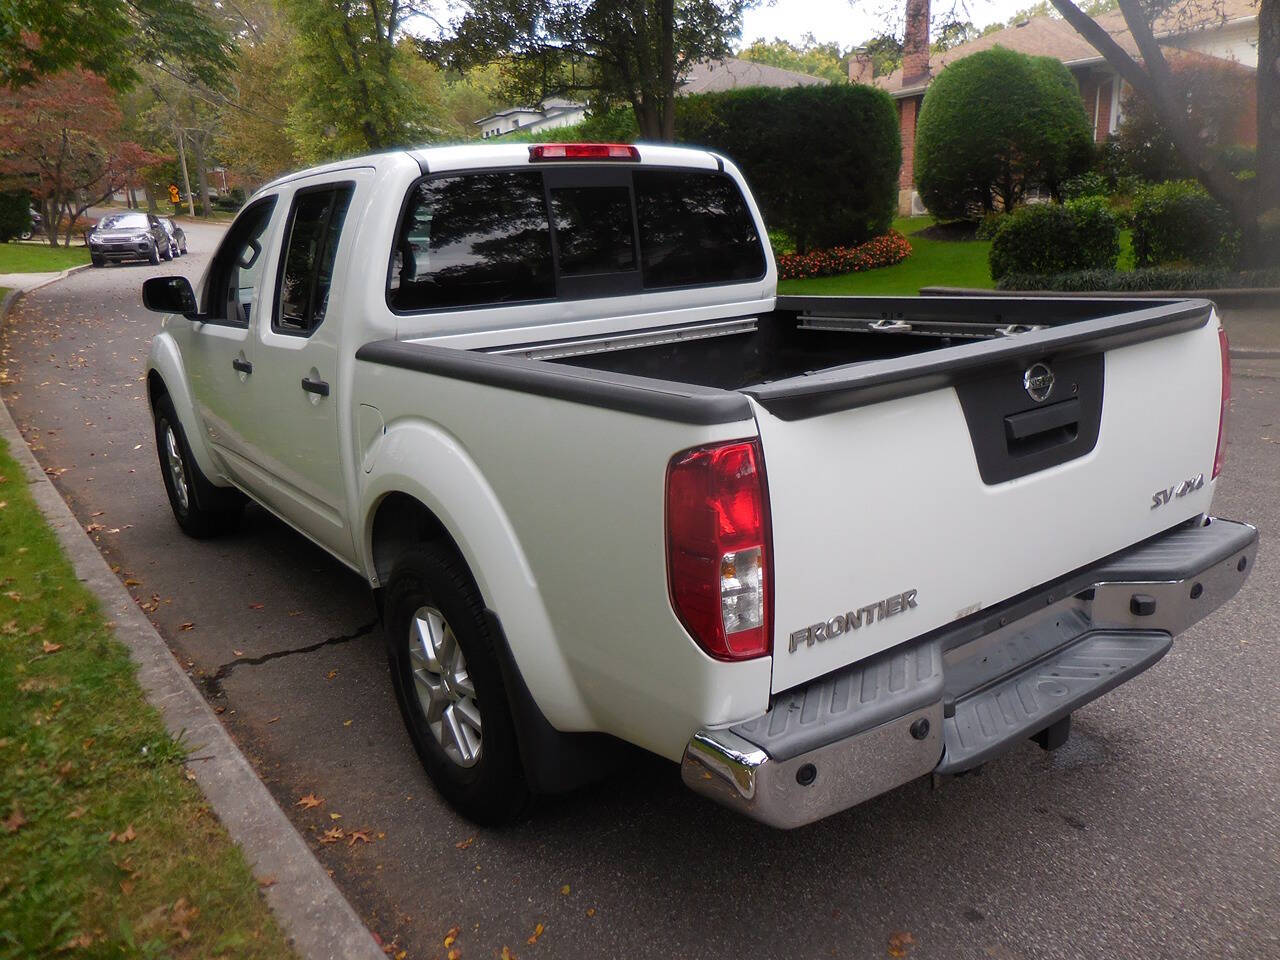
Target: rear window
[(695, 228), (473, 239), (486, 238)]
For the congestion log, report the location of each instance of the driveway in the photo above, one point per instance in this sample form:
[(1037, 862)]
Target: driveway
[(1155, 832)]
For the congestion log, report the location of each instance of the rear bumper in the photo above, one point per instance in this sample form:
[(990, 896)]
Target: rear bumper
[(957, 697)]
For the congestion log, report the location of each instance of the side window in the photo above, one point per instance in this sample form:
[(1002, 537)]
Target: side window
[(237, 266), (472, 239), (306, 269)]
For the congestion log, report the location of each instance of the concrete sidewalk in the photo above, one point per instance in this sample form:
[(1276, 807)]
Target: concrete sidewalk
[(26, 282), (1253, 331)]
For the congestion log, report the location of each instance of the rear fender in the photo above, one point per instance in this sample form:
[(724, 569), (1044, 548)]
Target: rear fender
[(467, 508)]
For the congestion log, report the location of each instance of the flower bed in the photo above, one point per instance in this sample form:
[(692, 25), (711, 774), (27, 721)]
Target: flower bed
[(882, 251)]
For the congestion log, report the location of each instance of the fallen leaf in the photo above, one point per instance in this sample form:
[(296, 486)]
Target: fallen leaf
[(537, 932), (238, 653), (331, 674), (11, 627), (126, 887), (13, 823), (125, 837), (131, 582), (186, 625), (51, 647), (309, 801), (899, 943), (507, 954), (273, 720), (451, 937), (15, 596), (295, 613), (268, 881), (181, 916), (333, 835), (463, 844), (256, 606), (591, 911), (455, 953), (346, 723), (335, 816), (34, 629), (361, 835), (77, 813), (81, 942), (401, 954)]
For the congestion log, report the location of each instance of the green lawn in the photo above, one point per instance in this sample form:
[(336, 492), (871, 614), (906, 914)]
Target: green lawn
[(106, 849), (41, 258), (932, 263)]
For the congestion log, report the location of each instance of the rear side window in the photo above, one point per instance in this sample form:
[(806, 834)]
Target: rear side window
[(306, 271), (695, 229), (473, 239)]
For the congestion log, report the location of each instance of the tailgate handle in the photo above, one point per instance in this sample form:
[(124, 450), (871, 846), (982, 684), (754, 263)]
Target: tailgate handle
[(1036, 430)]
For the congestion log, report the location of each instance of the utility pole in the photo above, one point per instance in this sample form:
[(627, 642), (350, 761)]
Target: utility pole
[(186, 180)]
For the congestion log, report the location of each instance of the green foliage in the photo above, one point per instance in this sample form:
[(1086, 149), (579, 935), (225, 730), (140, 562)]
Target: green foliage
[(995, 124), (1211, 89), (1049, 238), (1087, 184), (990, 225), (822, 160), (816, 59), (781, 243), (1178, 222), (634, 51), (1145, 279), (611, 126), (110, 38), (15, 214), (885, 51)]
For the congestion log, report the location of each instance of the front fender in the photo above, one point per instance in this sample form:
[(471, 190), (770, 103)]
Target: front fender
[(165, 359), (465, 504)]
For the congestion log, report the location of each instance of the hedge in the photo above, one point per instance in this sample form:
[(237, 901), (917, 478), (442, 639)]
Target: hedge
[(1179, 223), (1049, 238), (883, 251), (15, 214), (1143, 279), (994, 124), (822, 161)]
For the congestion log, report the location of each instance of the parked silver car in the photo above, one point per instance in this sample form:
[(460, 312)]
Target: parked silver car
[(129, 236), (177, 237)]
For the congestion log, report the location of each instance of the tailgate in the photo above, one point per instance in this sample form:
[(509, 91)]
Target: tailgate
[(912, 492)]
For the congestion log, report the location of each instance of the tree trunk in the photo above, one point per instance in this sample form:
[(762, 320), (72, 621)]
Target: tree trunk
[(648, 121), (1268, 164), (202, 174), (667, 24)]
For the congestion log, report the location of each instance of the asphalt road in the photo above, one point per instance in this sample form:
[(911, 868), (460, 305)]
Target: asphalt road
[(1154, 833)]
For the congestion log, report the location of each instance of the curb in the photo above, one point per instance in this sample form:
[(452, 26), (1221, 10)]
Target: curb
[(312, 910), (62, 276), (1227, 297)]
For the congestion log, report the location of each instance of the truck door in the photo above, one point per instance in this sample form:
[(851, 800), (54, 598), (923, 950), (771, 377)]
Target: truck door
[(217, 352), (295, 387)]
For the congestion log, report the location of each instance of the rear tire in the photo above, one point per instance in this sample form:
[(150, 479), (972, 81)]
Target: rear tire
[(168, 252), (449, 686), (201, 509)]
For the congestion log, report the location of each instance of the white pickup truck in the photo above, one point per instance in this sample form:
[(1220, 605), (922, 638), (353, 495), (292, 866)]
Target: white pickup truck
[(608, 485)]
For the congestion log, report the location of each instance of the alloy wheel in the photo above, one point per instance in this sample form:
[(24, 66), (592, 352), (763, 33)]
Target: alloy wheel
[(444, 688)]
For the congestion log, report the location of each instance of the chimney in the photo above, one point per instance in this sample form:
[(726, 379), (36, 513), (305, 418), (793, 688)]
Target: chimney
[(861, 69), (915, 43)]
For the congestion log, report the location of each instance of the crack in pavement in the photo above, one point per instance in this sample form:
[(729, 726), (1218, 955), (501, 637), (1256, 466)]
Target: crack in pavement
[(212, 683)]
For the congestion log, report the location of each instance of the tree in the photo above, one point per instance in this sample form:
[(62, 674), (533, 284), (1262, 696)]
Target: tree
[(885, 51), (825, 60), (636, 51), (61, 137), (993, 125), (1254, 204), (349, 77), (110, 38)]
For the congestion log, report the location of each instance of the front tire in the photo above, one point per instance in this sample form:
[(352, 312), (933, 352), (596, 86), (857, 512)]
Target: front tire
[(449, 687), (153, 257), (97, 260), (202, 510)]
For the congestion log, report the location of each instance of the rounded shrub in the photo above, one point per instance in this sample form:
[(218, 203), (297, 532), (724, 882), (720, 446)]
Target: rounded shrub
[(822, 161), (1049, 238), (1179, 223), (994, 124)]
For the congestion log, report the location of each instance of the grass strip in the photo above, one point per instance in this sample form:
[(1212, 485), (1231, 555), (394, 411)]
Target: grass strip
[(40, 258), (107, 850)]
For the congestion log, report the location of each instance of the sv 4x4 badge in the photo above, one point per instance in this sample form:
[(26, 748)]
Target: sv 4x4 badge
[(1191, 485), (853, 620)]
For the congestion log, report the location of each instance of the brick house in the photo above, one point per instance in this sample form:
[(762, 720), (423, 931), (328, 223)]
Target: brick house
[(1227, 29)]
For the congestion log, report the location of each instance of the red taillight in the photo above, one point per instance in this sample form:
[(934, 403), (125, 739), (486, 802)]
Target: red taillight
[(583, 151), (718, 563), (1221, 454)]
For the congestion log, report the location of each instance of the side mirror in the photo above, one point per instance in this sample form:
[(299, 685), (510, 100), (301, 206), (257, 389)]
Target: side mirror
[(170, 295)]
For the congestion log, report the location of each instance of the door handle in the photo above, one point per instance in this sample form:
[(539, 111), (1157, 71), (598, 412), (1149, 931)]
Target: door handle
[(318, 387), (243, 366)]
